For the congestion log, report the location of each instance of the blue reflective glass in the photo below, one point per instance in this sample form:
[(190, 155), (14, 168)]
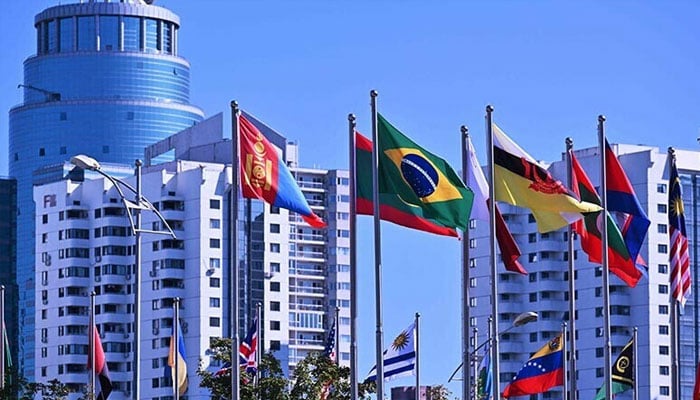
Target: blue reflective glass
[(151, 36), (86, 33), (167, 38), (132, 35), (109, 33), (52, 36), (65, 26)]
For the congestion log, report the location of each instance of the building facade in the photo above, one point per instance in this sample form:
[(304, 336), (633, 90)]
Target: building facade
[(8, 256), (545, 289), (106, 80)]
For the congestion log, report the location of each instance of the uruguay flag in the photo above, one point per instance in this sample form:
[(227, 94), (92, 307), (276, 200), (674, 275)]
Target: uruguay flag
[(544, 370), (181, 378), (400, 358), (265, 176)]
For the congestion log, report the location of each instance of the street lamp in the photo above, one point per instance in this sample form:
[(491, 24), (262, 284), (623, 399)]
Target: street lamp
[(135, 207), (522, 319)]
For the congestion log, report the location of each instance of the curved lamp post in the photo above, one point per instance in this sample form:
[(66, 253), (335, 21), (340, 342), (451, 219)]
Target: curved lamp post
[(135, 207)]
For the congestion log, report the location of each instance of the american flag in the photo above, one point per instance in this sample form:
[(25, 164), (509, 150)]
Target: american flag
[(679, 256), (329, 352)]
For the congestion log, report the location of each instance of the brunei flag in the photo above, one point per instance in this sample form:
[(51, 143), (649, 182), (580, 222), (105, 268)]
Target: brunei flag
[(622, 372), (522, 181), (543, 371), (96, 358), (413, 179), (589, 229), (265, 176)]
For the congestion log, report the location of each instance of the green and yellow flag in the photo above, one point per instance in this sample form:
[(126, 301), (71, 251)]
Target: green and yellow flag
[(421, 179)]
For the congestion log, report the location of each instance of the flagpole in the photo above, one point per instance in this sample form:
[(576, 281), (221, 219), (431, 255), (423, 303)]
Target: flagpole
[(572, 282), (466, 356), (91, 340), (258, 347), (606, 272), (176, 346), (137, 283), (635, 366), (417, 356), (3, 356), (353, 259), (337, 336), (675, 310), (377, 248), (475, 335), (492, 258), (235, 370), (564, 364)]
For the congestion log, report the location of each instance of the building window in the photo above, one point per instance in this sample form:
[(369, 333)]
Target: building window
[(661, 208), (214, 302), (42, 152), (130, 115), (274, 267), (663, 370), (214, 243), (274, 286), (275, 345), (214, 223), (532, 238), (214, 204), (660, 188), (274, 247), (663, 350), (661, 228), (214, 321), (599, 372), (533, 297), (663, 289), (214, 263), (663, 248), (663, 310), (214, 282), (62, 116), (664, 390), (274, 228), (274, 325), (663, 329), (45, 219), (472, 243), (274, 306), (663, 269), (531, 219), (599, 352), (533, 337), (274, 210)]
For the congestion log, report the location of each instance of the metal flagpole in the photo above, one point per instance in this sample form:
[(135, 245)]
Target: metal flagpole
[(176, 346), (606, 272), (635, 366), (336, 339), (492, 257), (417, 356), (91, 340), (466, 356), (675, 323), (572, 283), (137, 283), (377, 248), (472, 390), (3, 356), (353, 259), (233, 206), (258, 345), (564, 364)]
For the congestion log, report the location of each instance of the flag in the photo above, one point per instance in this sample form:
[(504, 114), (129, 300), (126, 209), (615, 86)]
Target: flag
[(621, 198), (102, 382), (476, 181), (181, 378), (696, 389), (6, 343), (544, 370), (248, 349), (484, 379), (400, 358), (679, 256), (521, 181), (391, 208), (265, 176), (589, 230), (329, 352), (420, 180), (224, 370), (622, 372)]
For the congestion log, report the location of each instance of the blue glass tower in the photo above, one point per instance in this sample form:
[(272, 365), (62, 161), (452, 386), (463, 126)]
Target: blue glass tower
[(106, 81)]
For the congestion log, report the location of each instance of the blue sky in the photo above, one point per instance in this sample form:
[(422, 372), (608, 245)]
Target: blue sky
[(548, 67)]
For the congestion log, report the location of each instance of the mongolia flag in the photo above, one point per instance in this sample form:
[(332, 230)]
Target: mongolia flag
[(265, 176), (521, 181), (621, 198), (589, 229), (248, 348), (103, 383), (181, 378), (391, 208), (543, 371)]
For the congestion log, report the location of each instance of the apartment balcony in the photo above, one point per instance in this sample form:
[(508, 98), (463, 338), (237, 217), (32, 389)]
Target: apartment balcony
[(307, 238), (308, 291), (306, 307), (306, 186), (308, 272), (320, 344), (317, 256)]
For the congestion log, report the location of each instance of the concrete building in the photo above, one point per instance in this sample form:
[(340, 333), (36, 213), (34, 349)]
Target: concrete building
[(545, 289), (299, 273), (106, 80)]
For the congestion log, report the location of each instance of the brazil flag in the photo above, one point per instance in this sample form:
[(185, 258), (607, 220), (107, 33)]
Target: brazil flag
[(420, 179)]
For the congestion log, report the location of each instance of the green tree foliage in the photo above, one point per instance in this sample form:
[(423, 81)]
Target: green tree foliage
[(440, 392)]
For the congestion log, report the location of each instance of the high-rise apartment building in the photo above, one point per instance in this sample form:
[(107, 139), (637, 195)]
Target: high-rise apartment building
[(545, 289), (106, 80), (300, 274), (8, 255)]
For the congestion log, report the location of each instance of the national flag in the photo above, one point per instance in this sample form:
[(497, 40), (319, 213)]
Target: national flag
[(97, 358), (544, 370), (589, 230), (476, 181), (400, 358), (224, 370), (181, 378), (420, 179), (391, 207), (696, 389), (621, 198), (265, 176), (622, 372), (679, 256), (329, 352), (248, 348), (484, 379), (521, 181)]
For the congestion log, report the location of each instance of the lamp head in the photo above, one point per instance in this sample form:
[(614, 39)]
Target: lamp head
[(525, 318), (85, 162)]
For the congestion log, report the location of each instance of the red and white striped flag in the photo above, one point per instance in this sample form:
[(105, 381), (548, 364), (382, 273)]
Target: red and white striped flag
[(678, 256)]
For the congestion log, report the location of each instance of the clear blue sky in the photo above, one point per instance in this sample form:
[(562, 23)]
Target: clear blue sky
[(548, 67)]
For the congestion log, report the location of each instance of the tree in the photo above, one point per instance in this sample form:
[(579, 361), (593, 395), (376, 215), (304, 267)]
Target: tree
[(17, 387), (315, 372), (54, 390), (439, 392)]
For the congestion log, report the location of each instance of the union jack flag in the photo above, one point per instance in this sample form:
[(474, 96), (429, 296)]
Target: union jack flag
[(678, 256), (248, 349)]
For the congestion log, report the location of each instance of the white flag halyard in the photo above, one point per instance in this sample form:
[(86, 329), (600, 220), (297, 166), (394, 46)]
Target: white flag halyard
[(400, 357)]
